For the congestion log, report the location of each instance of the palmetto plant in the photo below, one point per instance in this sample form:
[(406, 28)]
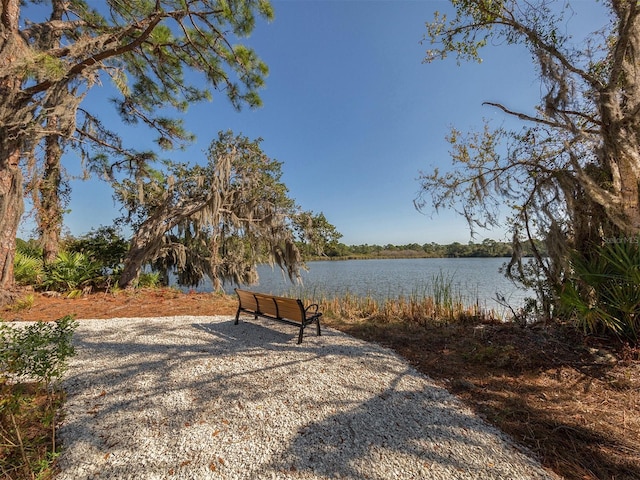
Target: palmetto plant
[(603, 293), (71, 272), (28, 270)]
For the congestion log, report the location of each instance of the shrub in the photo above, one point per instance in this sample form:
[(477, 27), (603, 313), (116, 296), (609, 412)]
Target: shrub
[(24, 303), (603, 293), (71, 272), (38, 351), (27, 269), (149, 279), (30, 248), (104, 246)]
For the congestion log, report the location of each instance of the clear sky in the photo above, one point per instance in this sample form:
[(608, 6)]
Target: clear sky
[(354, 115)]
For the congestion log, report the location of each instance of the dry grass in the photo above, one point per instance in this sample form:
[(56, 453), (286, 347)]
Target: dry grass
[(413, 309)]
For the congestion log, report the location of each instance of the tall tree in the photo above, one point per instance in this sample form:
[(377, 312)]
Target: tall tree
[(217, 220), (145, 47), (571, 173), (12, 121), (315, 234)]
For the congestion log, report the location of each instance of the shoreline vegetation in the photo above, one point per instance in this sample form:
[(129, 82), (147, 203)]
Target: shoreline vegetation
[(441, 301), (488, 248)]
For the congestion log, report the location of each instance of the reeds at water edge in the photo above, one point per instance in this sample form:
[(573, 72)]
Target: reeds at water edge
[(439, 302)]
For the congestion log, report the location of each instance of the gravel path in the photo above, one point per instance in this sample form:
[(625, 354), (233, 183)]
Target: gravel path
[(201, 398)]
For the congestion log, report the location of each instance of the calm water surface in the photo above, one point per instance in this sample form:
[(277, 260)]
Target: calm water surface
[(475, 280)]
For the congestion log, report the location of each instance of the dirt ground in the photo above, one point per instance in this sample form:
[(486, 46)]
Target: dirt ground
[(574, 402)]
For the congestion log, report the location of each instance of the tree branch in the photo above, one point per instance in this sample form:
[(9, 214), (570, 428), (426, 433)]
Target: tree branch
[(108, 53), (538, 120)]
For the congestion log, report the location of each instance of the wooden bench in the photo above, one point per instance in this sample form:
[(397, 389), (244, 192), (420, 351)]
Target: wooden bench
[(283, 309)]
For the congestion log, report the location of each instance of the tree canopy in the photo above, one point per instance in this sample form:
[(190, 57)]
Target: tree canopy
[(218, 220), (145, 48), (571, 173)]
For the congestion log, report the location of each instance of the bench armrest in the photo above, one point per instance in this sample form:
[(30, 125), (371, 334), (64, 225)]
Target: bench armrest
[(312, 309)]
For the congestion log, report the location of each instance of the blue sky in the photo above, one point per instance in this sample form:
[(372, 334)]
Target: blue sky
[(354, 115)]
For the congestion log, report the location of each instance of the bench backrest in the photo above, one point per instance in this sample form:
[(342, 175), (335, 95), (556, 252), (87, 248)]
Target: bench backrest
[(290, 308), (247, 300), (266, 305), (278, 307)]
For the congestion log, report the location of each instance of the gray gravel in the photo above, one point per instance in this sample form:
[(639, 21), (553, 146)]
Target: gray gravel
[(201, 398)]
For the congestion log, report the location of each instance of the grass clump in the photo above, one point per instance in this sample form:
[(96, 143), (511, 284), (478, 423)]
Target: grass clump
[(24, 303)]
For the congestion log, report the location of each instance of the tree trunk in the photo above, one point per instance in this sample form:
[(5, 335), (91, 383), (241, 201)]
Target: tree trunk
[(619, 104), (11, 185), (50, 209), (630, 201), (50, 205), (135, 260), (147, 239), (621, 151), (11, 209), (144, 244)]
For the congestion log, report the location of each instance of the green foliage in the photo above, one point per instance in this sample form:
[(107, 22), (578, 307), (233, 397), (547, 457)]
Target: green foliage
[(446, 297), (603, 293), (187, 36), (149, 280), (162, 57), (24, 303), (487, 248), (43, 65), (316, 236), (70, 272), (27, 270), (30, 247), (37, 351), (104, 245), (476, 22), (217, 220)]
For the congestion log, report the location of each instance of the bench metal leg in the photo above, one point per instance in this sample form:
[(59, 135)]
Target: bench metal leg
[(300, 334), (255, 316)]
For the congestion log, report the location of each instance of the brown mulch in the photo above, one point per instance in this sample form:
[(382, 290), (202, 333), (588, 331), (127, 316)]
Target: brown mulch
[(574, 401), (125, 304)]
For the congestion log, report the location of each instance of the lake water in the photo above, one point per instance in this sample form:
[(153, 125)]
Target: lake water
[(476, 280)]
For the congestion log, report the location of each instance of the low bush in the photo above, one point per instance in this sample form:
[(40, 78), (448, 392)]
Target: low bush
[(71, 272), (149, 280), (38, 351), (603, 294), (24, 303), (31, 358), (104, 245), (27, 269)]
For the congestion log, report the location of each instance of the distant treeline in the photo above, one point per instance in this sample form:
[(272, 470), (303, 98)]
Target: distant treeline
[(487, 248)]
